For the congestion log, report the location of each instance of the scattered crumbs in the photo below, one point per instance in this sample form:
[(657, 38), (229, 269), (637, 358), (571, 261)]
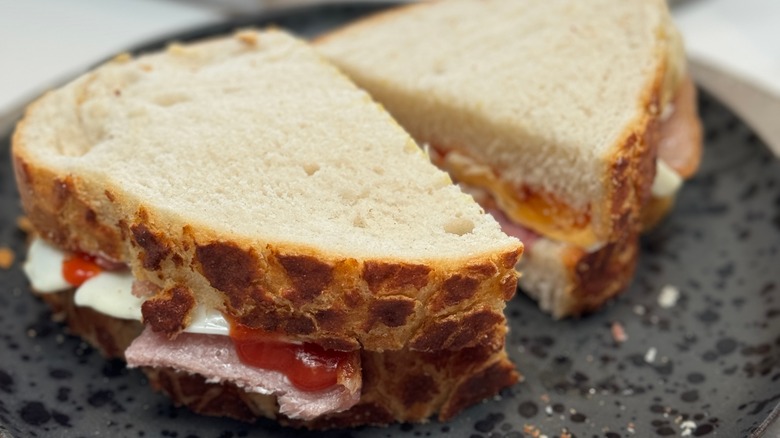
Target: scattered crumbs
[(687, 427), (548, 410), (668, 296), (122, 58), (531, 430), (565, 434), (639, 310), (247, 37), (545, 398), (24, 224), (630, 428), (618, 333), (650, 355), (6, 257)]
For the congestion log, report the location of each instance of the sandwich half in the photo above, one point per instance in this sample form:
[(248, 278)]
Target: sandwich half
[(573, 122), (249, 228)]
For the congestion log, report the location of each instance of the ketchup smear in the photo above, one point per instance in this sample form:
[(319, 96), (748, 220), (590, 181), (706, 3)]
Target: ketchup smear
[(80, 267), (309, 367)]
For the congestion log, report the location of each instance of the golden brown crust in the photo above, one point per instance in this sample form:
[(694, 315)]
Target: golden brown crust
[(398, 386), (634, 163), (60, 216), (597, 276), (169, 311), (387, 277), (655, 211), (283, 290), (109, 335)]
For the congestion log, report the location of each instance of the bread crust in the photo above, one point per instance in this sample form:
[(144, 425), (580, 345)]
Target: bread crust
[(339, 303), (398, 386), (592, 278), (569, 281)]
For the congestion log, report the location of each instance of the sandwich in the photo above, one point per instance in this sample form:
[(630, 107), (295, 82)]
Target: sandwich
[(573, 122), (239, 221)]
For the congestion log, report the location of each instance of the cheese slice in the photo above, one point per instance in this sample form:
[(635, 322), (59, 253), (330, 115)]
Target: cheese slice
[(44, 267), (110, 293), (667, 182)]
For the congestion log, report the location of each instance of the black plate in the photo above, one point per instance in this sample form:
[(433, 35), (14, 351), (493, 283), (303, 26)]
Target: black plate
[(718, 349)]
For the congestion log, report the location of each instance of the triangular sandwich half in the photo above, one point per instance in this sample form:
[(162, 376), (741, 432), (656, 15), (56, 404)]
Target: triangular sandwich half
[(563, 117), (290, 250)]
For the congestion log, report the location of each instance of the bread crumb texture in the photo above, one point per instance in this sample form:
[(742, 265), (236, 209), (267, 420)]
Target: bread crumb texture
[(535, 97), (256, 136)]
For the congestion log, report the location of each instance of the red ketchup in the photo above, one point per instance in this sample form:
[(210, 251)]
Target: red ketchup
[(79, 267), (309, 367)]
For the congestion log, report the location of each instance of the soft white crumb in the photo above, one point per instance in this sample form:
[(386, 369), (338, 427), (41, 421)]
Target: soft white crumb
[(619, 333), (650, 355), (687, 427), (668, 296)]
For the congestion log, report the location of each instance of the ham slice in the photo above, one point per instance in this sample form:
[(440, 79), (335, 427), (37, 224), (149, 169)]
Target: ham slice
[(526, 235), (215, 357), (679, 143)]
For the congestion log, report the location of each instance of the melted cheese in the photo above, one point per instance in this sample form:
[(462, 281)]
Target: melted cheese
[(110, 293), (208, 322), (44, 267), (667, 182)]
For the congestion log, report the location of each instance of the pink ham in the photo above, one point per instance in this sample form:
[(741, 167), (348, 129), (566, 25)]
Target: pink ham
[(214, 357), (526, 235)]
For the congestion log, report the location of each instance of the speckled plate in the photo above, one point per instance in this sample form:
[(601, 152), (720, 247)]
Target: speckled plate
[(707, 366)]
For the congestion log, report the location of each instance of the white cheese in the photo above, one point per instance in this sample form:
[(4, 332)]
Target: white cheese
[(667, 182), (668, 296), (208, 322), (110, 293), (44, 267)]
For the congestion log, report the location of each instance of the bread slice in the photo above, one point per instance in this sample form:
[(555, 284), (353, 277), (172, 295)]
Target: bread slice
[(547, 104), (254, 176), (559, 111), (567, 280)]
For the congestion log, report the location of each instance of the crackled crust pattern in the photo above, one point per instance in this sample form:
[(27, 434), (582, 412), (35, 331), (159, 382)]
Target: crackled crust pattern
[(397, 385), (340, 303)]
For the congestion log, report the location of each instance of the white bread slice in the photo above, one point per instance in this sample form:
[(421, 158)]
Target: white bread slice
[(247, 174), (547, 104)]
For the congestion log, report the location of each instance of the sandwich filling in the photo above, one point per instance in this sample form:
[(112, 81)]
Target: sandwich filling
[(308, 380), (529, 215)]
